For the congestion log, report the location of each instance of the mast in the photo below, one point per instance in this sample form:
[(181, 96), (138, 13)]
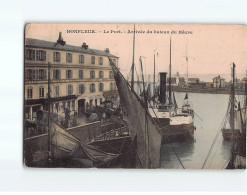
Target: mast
[(48, 117), (245, 93), (154, 75), (232, 113), (133, 61), (170, 75), (143, 84), (187, 73)]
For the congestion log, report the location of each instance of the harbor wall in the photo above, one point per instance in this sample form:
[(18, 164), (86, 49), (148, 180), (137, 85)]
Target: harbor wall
[(208, 90)]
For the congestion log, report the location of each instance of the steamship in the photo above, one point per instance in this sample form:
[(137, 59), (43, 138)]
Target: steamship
[(178, 123)]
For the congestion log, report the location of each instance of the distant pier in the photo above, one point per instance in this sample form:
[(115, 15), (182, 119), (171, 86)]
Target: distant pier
[(207, 90)]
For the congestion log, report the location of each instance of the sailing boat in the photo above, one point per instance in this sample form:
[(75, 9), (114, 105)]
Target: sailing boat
[(142, 128), (178, 121), (237, 136), (232, 132)]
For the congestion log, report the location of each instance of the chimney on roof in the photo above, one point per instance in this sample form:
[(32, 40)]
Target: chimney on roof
[(107, 50), (60, 39), (84, 45)]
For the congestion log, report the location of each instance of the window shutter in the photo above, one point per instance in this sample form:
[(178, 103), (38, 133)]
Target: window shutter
[(33, 54), (54, 58), (59, 74), (71, 74), (44, 55), (26, 54), (45, 75), (37, 55), (58, 56), (54, 74)]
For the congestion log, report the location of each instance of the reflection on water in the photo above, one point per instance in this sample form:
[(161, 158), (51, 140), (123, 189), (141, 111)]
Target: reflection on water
[(211, 108)]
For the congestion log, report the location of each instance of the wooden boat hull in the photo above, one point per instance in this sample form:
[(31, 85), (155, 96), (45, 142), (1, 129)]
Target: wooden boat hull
[(177, 133), (227, 134)]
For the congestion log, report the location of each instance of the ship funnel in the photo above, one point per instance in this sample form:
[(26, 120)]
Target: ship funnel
[(162, 95)]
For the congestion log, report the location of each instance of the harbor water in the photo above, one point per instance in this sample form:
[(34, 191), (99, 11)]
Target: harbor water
[(210, 110)]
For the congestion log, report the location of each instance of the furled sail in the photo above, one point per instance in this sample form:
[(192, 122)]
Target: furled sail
[(65, 144), (140, 124)]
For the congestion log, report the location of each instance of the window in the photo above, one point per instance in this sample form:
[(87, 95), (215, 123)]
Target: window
[(111, 86), (56, 74), (80, 74), (100, 61), (56, 91), (68, 57), (92, 60), (101, 86), (113, 61), (29, 74), (36, 74), (92, 88), (41, 74), (81, 89), (101, 74), (70, 89), (92, 74), (41, 55), (41, 92), (56, 56), (68, 74), (110, 75), (81, 59), (30, 54), (29, 93)]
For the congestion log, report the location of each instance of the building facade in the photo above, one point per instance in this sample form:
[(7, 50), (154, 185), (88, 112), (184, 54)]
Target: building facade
[(218, 82), (80, 77)]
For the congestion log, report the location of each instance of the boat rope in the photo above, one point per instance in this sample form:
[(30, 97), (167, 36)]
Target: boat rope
[(198, 116), (217, 135)]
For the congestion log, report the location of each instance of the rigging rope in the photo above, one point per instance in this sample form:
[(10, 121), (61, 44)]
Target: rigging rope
[(218, 133)]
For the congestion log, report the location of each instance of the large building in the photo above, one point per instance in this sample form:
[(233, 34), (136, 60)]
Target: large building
[(80, 77)]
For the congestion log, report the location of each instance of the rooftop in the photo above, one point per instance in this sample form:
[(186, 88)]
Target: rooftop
[(54, 45), (193, 79)]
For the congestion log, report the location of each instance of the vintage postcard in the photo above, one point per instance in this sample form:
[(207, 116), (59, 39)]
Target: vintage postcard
[(142, 96)]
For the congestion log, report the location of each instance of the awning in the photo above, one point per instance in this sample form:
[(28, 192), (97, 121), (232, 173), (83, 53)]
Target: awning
[(53, 99)]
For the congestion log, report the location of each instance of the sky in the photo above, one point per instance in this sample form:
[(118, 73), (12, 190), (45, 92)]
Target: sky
[(211, 49)]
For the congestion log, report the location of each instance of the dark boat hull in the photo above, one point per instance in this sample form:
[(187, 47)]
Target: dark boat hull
[(177, 133), (227, 134)]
